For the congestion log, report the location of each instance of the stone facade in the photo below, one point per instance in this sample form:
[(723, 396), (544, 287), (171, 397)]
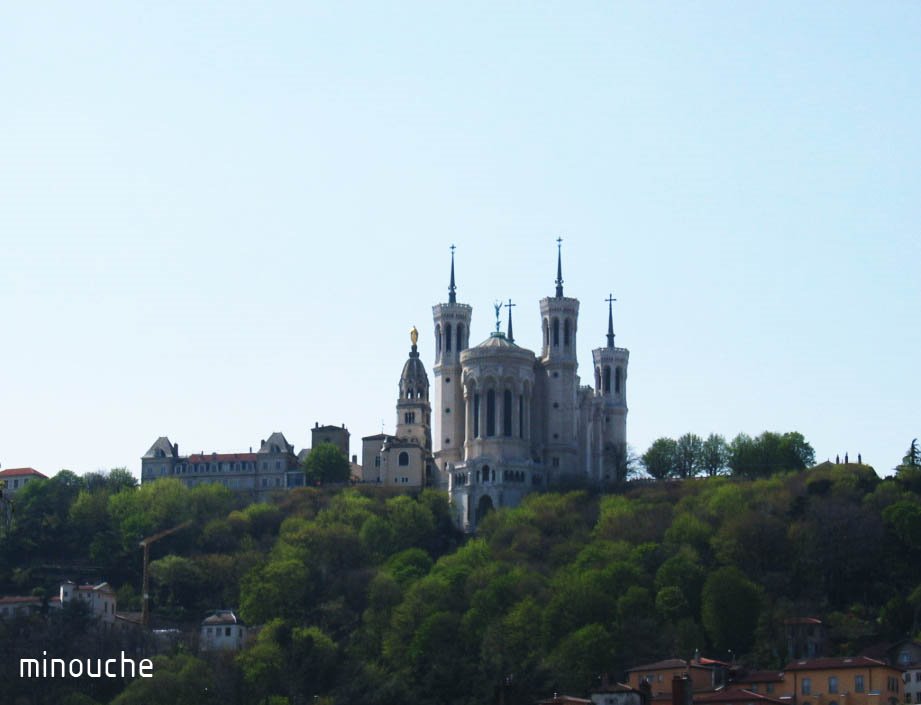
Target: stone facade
[(508, 421), (404, 459)]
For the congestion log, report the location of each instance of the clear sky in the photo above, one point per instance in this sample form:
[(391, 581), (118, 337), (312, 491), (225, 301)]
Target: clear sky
[(220, 219)]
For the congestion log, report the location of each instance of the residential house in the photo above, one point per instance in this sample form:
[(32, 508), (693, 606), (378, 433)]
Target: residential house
[(851, 680), (17, 478), (222, 630)]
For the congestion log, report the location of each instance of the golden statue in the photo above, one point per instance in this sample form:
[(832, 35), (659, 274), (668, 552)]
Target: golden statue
[(414, 336)]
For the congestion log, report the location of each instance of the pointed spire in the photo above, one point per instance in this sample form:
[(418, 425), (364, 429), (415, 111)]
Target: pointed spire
[(559, 268), (610, 301), (511, 336), (452, 289)]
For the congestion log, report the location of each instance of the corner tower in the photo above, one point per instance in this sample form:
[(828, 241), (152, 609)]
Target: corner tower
[(610, 365), (452, 335), (559, 384)]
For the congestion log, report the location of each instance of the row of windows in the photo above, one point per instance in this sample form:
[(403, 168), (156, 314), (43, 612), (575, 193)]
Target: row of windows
[(506, 427), (603, 379), (806, 685), (917, 697), (554, 328), (447, 340), (227, 631)]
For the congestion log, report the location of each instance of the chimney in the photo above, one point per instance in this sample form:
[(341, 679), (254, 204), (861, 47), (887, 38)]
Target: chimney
[(681, 690), (175, 450), (355, 460), (316, 424)]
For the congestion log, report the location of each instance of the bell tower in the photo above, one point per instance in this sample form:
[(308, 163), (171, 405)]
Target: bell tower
[(413, 409), (452, 335), (559, 323), (610, 364)]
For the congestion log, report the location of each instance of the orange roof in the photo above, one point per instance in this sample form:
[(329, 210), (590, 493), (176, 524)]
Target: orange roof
[(19, 600), (19, 472), (823, 664), (734, 695)]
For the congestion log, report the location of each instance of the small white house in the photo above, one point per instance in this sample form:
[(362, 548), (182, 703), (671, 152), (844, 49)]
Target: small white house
[(100, 598), (222, 630)]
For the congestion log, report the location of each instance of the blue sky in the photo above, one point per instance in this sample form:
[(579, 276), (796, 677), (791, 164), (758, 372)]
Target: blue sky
[(219, 220)]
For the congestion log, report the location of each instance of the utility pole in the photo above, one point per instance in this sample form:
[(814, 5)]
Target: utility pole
[(145, 544)]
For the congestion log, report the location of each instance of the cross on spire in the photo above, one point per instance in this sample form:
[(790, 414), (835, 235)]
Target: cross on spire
[(610, 301), (559, 268), (452, 289), (511, 337)]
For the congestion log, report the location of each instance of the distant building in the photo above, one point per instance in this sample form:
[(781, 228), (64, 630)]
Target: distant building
[(336, 435), (17, 478), (274, 467), (805, 638), (735, 696), (14, 606), (852, 680), (100, 598), (764, 682), (222, 630), (704, 674), (620, 694), (404, 459)]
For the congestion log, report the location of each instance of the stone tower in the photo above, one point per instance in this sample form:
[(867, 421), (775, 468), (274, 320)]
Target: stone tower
[(610, 364), (413, 409), (557, 396), (452, 335)]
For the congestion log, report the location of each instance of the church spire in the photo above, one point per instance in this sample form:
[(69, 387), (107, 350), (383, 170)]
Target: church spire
[(559, 268), (610, 301), (452, 289), (511, 337)]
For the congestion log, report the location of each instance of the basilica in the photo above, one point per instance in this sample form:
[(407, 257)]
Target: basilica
[(507, 421)]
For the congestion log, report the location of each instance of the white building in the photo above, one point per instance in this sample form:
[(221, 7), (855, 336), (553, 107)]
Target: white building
[(14, 479), (100, 598), (222, 630)]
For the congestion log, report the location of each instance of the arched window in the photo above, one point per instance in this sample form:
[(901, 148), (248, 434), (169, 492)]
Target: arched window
[(597, 379), (556, 332), (566, 332), (617, 373), (448, 338), (403, 460), (507, 413), (438, 340), (476, 415), (521, 416), (607, 379), (491, 412), (546, 333), (460, 337)]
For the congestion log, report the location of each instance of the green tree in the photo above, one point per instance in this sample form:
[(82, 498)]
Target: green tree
[(714, 455), (326, 463), (659, 460), (177, 680), (730, 605), (688, 451)]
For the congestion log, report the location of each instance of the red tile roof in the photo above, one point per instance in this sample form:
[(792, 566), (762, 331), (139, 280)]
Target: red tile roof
[(19, 472), (735, 695), (759, 677), (837, 662), (19, 600)]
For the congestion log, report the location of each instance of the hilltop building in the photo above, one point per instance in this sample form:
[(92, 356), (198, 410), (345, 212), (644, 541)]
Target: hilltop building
[(14, 479), (507, 421)]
